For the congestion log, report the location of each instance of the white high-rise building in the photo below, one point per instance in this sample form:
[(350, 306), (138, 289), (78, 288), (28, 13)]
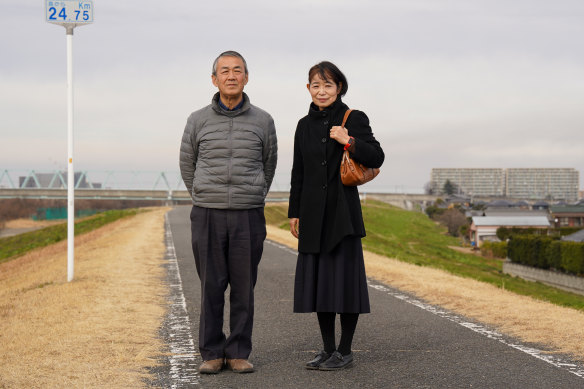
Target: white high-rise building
[(519, 183), (550, 183), (476, 182)]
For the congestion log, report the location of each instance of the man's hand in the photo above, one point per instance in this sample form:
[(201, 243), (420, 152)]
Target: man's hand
[(294, 222)]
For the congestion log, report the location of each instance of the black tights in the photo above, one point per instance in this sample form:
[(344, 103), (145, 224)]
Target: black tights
[(326, 321)]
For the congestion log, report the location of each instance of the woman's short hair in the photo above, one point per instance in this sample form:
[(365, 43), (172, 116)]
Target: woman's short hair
[(229, 53), (328, 70)]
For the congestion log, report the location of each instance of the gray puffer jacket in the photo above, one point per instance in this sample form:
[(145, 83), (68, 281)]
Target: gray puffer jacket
[(228, 158)]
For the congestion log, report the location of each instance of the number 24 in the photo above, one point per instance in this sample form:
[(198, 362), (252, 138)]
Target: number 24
[(63, 14), (53, 12)]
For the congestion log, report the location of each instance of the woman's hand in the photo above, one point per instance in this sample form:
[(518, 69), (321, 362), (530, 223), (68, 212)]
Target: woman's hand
[(294, 222), (340, 134)]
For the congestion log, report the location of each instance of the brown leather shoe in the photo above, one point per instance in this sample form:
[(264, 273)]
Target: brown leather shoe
[(239, 365), (213, 366)]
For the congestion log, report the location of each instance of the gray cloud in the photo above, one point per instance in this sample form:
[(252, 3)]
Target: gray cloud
[(445, 83)]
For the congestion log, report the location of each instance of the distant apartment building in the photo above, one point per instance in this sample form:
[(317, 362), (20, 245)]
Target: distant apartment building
[(526, 183), (476, 182), (553, 184)]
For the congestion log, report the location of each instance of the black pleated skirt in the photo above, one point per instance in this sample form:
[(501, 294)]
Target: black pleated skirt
[(332, 282)]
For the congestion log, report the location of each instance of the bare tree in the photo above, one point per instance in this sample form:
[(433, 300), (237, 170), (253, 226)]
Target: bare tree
[(429, 188), (453, 219)]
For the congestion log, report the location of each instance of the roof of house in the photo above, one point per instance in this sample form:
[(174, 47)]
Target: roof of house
[(575, 237), (473, 212), (500, 203), (567, 209), (511, 221), (515, 212)]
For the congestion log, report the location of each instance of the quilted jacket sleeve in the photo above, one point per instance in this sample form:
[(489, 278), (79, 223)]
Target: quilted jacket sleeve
[(270, 154), (188, 154)]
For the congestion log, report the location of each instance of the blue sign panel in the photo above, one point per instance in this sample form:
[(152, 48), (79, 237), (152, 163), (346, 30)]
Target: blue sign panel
[(69, 13)]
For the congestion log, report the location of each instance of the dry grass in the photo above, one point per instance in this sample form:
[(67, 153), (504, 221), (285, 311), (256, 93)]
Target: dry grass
[(101, 330), (524, 317), (29, 223)]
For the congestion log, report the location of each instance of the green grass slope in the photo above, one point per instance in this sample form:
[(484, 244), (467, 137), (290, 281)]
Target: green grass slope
[(414, 238), (14, 246)]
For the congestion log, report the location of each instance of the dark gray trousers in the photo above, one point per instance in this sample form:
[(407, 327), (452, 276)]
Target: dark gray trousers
[(228, 246)]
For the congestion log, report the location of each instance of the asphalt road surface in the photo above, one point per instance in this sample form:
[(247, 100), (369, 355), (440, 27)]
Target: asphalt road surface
[(403, 343)]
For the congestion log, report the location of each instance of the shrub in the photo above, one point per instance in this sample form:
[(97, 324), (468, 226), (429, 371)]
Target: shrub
[(433, 211), (563, 231), (464, 229), (573, 257), (554, 254), (504, 233), (545, 252), (494, 249)]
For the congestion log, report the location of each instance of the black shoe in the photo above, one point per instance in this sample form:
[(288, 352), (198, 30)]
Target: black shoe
[(337, 362), (318, 359)]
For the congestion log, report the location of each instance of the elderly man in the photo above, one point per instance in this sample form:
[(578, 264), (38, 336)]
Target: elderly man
[(227, 159)]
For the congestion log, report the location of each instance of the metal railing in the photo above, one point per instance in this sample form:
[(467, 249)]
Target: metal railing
[(103, 185), (92, 179)]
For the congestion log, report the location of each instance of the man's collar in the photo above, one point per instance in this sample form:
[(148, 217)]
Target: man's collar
[(224, 107), (221, 109)]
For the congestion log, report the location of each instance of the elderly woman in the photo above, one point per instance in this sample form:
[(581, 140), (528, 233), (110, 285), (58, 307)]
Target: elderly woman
[(326, 216)]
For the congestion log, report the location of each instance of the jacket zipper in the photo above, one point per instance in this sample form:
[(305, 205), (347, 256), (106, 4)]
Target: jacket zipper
[(229, 165)]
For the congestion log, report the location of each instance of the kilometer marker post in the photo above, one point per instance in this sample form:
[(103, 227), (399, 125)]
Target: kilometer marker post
[(69, 14)]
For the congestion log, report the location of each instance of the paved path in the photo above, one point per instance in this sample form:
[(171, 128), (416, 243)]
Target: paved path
[(403, 343), (5, 233)]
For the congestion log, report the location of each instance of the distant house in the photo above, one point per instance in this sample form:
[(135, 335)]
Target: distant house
[(515, 212), (485, 227), (500, 204), (540, 205), (458, 199), (567, 215)]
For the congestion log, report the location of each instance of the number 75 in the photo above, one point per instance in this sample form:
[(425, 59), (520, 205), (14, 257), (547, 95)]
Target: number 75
[(85, 15)]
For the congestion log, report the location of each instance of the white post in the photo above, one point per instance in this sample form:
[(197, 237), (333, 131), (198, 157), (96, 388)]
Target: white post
[(69, 14), (70, 171)]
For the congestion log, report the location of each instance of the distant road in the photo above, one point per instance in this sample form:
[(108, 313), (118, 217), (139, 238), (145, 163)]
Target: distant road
[(398, 345), (6, 232)]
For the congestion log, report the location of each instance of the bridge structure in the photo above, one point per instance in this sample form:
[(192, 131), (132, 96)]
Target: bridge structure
[(166, 187), (94, 185)]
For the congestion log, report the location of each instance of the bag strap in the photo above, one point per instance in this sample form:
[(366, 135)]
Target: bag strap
[(346, 117)]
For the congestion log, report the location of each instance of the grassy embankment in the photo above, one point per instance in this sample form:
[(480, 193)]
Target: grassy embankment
[(101, 329), (14, 246), (412, 237)]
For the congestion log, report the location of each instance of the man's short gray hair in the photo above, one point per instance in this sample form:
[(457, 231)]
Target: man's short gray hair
[(229, 53)]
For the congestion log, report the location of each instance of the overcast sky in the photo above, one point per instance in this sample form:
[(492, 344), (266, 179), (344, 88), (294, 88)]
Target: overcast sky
[(459, 83)]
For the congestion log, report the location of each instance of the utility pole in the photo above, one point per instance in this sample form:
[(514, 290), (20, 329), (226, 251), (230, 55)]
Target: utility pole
[(69, 14)]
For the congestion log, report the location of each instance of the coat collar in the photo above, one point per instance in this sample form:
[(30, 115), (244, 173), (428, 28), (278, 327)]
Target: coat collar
[(332, 109), (217, 108)]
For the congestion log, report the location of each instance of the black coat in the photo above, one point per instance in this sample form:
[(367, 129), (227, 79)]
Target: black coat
[(328, 210)]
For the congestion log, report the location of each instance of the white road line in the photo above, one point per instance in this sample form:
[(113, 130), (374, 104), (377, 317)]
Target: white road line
[(478, 328), (281, 246), (183, 358)]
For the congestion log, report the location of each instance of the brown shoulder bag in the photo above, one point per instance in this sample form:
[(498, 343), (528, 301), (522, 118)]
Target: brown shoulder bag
[(352, 172)]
